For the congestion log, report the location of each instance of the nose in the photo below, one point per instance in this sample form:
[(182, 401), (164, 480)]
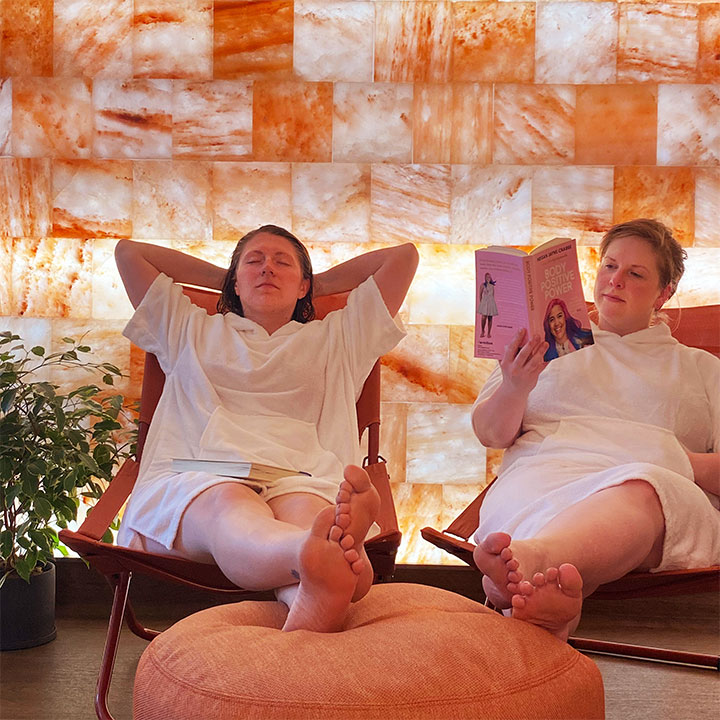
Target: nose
[(616, 279)]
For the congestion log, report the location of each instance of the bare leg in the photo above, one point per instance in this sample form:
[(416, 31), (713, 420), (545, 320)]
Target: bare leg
[(603, 537), (490, 319), (483, 321)]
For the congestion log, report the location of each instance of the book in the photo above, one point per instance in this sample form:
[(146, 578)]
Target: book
[(254, 473), (540, 291)]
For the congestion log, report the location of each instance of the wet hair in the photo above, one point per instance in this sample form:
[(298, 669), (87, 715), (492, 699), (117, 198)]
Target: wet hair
[(572, 326), (669, 254), (229, 300)]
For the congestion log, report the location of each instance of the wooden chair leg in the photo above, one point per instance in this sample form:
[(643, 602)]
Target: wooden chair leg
[(639, 652), (121, 585)]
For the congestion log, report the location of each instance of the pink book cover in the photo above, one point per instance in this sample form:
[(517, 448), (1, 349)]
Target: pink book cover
[(540, 291)]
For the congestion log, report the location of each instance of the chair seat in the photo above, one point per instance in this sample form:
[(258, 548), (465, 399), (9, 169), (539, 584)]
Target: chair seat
[(407, 652)]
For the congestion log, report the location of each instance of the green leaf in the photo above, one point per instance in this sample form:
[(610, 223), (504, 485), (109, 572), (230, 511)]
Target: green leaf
[(107, 537), (38, 350), (108, 379), (43, 508), (68, 340), (6, 543), (8, 397), (83, 348), (23, 568)]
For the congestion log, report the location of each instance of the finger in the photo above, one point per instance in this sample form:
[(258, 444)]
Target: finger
[(511, 349)]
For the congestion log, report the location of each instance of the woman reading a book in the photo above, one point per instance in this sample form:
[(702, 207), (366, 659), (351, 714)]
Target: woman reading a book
[(612, 458), (263, 382), (487, 307), (563, 332)]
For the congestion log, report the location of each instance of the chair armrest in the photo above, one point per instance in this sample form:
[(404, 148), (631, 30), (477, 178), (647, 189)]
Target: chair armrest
[(108, 506)]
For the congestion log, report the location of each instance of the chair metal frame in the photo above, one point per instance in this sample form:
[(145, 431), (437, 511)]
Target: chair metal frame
[(118, 564), (697, 327)]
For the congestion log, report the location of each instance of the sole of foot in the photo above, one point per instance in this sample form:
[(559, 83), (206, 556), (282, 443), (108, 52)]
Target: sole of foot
[(553, 600), (328, 578), (494, 558)]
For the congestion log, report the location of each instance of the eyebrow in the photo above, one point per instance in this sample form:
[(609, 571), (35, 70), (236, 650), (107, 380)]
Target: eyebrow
[(634, 265), (278, 253)]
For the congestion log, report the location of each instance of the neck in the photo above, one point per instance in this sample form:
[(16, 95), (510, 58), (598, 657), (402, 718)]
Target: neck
[(270, 322)]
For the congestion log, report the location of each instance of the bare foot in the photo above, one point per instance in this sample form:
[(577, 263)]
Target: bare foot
[(356, 507), (552, 600), (328, 577), (495, 560)]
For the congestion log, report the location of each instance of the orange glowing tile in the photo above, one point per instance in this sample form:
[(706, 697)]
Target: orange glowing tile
[(393, 434), (171, 199), (172, 38), (212, 119), (5, 115), (27, 38), (689, 125), (52, 277), (467, 374), (372, 122), (410, 203), (491, 205), (292, 121), (534, 124), (576, 42), (441, 444), (667, 194), (432, 123), (133, 119), (333, 40), (92, 198), (472, 123), (248, 195), (25, 189), (493, 42), (52, 117), (253, 38), (417, 370), (331, 202), (412, 41), (92, 38), (109, 298), (6, 300), (709, 47), (616, 125), (571, 202), (657, 43), (707, 207)]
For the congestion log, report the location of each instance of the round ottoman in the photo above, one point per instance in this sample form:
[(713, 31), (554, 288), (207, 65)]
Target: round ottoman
[(407, 651)]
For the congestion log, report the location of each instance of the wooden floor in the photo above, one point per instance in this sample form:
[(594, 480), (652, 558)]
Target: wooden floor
[(57, 681)]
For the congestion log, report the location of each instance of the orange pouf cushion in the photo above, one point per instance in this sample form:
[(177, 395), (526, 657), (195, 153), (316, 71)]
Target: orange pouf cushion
[(407, 652)]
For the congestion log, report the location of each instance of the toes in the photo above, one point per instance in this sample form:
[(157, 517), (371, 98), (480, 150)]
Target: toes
[(518, 602), (358, 566), (570, 580), (538, 579), (551, 574), (335, 534), (506, 554), (343, 520), (526, 588), (347, 542), (514, 577), (351, 556), (495, 542)]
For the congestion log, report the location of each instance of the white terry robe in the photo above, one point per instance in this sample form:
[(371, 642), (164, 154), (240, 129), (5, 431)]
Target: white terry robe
[(620, 409), (234, 392)]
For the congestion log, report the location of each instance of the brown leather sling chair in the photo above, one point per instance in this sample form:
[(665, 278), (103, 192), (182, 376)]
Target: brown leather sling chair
[(118, 564)]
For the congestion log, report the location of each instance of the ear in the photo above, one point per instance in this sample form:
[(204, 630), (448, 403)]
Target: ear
[(304, 287), (664, 296)]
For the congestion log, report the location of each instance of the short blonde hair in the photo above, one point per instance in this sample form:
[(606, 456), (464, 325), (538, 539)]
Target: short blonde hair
[(669, 253)]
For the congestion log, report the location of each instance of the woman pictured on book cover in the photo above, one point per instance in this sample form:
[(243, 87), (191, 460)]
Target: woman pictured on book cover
[(563, 333), (612, 454), (487, 308), (262, 381)]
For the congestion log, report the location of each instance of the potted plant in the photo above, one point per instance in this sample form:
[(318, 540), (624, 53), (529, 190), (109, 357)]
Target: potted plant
[(55, 447)]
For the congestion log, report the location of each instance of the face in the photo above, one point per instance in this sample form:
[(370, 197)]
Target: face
[(627, 287), (487, 277), (557, 323), (269, 279)]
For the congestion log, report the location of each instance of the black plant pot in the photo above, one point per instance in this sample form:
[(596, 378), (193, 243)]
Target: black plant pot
[(27, 611)]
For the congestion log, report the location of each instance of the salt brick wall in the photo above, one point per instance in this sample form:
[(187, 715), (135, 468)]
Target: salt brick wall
[(356, 125)]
